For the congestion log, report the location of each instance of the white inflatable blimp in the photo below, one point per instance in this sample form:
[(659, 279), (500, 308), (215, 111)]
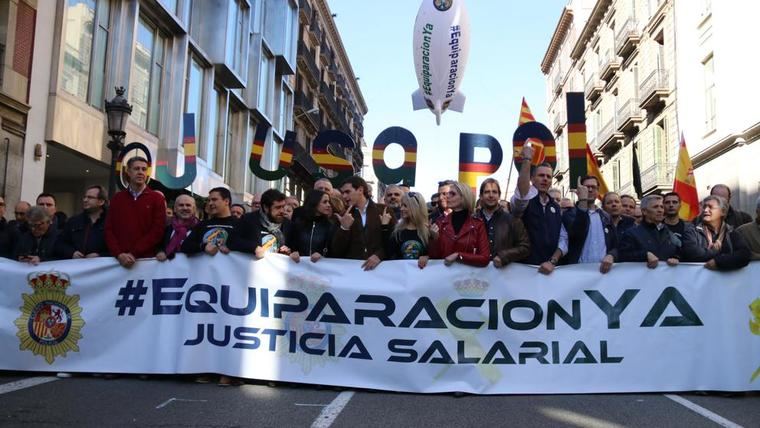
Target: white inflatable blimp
[(441, 45)]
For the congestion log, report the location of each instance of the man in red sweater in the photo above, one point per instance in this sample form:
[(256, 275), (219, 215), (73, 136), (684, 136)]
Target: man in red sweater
[(136, 219)]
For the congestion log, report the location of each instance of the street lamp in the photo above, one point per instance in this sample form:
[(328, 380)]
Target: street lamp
[(117, 111)]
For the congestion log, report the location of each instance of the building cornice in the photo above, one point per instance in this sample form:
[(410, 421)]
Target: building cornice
[(726, 144), (560, 32), (329, 23), (594, 19)]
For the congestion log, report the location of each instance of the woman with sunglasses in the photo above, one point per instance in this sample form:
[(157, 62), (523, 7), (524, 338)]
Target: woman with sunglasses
[(312, 230), (411, 236), (460, 237)]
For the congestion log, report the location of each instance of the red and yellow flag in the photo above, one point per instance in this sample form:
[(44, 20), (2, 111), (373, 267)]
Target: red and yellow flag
[(593, 169), (525, 114), (685, 184)]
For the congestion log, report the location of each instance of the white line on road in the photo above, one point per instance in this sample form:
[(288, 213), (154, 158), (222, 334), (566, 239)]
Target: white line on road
[(25, 383), (169, 401), (718, 419), (331, 412)]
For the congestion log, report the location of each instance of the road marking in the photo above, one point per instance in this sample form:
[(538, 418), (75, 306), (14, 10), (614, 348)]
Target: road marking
[(331, 412), (187, 400), (718, 419), (25, 383)]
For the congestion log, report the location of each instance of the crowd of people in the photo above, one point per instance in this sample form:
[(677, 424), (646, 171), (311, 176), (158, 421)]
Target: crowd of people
[(537, 226)]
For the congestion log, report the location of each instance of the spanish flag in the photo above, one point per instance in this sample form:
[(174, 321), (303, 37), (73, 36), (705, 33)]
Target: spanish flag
[(593, 169), (525, 114), (685, 184)]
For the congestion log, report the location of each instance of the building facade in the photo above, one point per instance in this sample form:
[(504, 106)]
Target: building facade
[(230, 62), (327, 93), (17, 29), (648, 72)]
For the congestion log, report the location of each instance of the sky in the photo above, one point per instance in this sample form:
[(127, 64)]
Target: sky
[(508, 40)]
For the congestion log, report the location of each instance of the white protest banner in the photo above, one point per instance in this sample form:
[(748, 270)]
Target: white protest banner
[(477, 330)]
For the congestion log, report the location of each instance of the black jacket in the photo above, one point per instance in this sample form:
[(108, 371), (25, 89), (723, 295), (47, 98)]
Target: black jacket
[(309, 237), (44, 247), (647, 237), (8, 238), (80, 234), (251, 231), (734, 252), (577, 223)]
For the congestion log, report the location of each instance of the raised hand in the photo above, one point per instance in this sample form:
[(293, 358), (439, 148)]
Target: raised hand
[(582, 191), (385, 218), (527, 152), (347, 219)]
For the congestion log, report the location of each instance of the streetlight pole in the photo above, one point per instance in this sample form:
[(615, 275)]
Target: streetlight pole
[(117, 111)]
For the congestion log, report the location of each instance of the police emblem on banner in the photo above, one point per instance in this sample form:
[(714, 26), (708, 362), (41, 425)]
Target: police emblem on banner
[(50, 321)]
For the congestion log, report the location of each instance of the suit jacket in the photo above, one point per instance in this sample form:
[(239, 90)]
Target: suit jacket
[(362, 241), (578, 222)]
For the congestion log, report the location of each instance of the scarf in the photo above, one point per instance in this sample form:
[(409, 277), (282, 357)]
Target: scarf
[(274, 228), (715, 244), (181, 229)]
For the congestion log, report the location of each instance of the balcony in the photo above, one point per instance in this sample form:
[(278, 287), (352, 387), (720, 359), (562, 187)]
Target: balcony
[(328, 96), (305, 12), (315, 33), (325, 54), (627, 38), (594, 87), (609, 63), (654, 89), (559, 122), (557, 82), (657, 177), (302, 106), (332, 70), (629, 115), (340, 85), (610, 139), (307, 64)]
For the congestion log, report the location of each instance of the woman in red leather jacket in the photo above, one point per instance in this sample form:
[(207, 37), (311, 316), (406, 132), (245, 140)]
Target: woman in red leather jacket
[(459, 237)]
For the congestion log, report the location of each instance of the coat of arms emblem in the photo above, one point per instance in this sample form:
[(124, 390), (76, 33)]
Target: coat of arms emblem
[(50, 321)]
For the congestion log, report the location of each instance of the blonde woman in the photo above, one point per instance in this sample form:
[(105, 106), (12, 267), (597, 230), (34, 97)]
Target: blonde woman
[(460, 237), (411, 236)]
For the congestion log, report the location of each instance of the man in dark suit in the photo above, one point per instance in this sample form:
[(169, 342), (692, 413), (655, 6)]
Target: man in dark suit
[(360, 235)]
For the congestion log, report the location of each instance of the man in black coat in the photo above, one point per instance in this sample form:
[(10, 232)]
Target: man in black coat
[(38, 243), (264, 231), (83, 236), (650, 241)]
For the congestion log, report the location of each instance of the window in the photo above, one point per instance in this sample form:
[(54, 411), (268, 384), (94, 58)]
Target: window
[(145, 81), (84, 49), (290, 30), (265, 82), (709, 79), (239, 37), (285, 105), (170, 5), (217, 150), (194, 98)]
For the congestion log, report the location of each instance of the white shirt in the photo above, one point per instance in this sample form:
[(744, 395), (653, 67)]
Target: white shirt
[(595, 248)]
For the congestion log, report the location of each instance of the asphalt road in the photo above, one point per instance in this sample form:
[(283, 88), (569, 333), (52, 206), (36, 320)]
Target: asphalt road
[(29, 399)]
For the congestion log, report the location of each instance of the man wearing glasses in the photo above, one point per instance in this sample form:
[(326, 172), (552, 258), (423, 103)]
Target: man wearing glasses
[(590, 229), (36, 244), (83, 236)]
